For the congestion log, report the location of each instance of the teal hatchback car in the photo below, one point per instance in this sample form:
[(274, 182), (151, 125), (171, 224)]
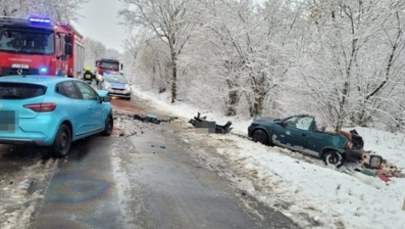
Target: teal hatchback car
[(51, 111), (300, 133)]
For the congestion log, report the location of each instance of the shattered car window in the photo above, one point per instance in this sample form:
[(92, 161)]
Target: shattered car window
[(304, 123)]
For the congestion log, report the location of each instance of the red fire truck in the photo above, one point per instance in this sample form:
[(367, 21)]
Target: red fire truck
[(38, 46), (108, 65)]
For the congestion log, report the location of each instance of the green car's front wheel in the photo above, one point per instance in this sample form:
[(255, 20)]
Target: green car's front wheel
[(261, 136)]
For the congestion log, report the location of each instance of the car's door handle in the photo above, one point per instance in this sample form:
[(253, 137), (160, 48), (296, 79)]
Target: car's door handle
[(304, 135), (90, 108)]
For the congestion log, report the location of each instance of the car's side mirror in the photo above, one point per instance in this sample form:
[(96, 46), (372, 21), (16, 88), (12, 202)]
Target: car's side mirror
[(68, 38), (68, 49), (106, 99)]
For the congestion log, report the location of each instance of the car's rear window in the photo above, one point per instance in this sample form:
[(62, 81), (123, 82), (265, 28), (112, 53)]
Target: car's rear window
[(20, 90)]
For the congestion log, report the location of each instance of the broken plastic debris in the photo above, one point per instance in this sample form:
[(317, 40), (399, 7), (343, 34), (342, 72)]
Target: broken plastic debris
[(210, 126)]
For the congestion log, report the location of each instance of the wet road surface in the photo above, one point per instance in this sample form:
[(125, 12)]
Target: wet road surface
[(147, 180), (82, 191)]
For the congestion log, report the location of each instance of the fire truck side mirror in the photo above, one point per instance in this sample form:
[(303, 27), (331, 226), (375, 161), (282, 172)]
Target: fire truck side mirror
[(68, 38), (68, 49)]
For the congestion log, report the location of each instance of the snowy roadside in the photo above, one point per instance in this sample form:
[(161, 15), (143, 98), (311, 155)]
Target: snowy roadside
[(302, 187), (23, 194)]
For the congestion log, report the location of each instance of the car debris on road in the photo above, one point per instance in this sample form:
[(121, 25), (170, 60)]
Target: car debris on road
[(211, 126), (152, 118), (371, 166)]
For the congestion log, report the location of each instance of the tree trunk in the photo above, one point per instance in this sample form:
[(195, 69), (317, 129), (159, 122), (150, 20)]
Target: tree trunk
[(346, 87), (232, 102), (174, 75), (342, 104), (257, 107), (174, 82)]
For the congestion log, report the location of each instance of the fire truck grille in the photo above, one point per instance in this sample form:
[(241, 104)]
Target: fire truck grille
[(16, 71)]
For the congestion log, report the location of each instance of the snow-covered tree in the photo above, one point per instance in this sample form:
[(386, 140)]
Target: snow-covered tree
[(94, 51), (353, 58), (9, 8), (170, 20), (243, 45), (57, 10), (148, 56), (340, 60)]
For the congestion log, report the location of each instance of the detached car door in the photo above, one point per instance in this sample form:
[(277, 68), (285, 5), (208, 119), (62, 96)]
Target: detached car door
[(94, 108)]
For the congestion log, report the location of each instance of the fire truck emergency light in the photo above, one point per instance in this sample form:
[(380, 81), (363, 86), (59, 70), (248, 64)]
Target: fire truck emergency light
[(43, 70), (39, 20)]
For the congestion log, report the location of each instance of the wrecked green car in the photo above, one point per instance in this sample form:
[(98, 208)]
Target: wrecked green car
[(300, 133)]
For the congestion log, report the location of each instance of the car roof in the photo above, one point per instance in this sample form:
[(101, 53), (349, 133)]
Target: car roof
[(300, 116), (35, 79)]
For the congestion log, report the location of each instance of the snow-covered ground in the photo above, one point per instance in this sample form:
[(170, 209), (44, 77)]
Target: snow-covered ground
[(325, 196), (22, 193)]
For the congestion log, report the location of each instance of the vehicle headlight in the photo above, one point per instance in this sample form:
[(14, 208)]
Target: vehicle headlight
[(106, 86), (127, 88)]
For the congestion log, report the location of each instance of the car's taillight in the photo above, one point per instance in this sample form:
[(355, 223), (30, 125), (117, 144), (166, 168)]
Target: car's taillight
[(41, 107), (349, 145)]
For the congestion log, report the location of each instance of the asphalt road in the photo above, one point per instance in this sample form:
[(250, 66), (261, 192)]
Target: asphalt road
[(148, 180)]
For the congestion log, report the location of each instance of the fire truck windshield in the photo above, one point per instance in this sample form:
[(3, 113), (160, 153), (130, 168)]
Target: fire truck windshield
[(26, 41), (110, 65)]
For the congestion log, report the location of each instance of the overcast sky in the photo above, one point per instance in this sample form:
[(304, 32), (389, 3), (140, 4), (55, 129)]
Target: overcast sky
[(100, 22)]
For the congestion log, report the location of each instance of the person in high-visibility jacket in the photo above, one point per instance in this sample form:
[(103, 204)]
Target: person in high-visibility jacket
[(88, 76)]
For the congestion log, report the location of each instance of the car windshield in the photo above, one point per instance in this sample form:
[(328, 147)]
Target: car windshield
[(20, 90), (110, 65), (115, 79), (27, 41)]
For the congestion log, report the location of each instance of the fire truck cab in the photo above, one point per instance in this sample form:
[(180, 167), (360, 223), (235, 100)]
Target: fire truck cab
[(105, 65), (36, 46)]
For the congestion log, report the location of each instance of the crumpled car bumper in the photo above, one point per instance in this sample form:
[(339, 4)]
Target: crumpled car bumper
[(354, 154)]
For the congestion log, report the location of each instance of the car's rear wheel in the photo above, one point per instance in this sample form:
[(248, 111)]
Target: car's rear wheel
[(261, 136), (333, 157), (62, 142), (109, 126)]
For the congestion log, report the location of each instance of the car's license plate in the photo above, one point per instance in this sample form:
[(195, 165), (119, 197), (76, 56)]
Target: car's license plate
[(7, 121), (118, 92)]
